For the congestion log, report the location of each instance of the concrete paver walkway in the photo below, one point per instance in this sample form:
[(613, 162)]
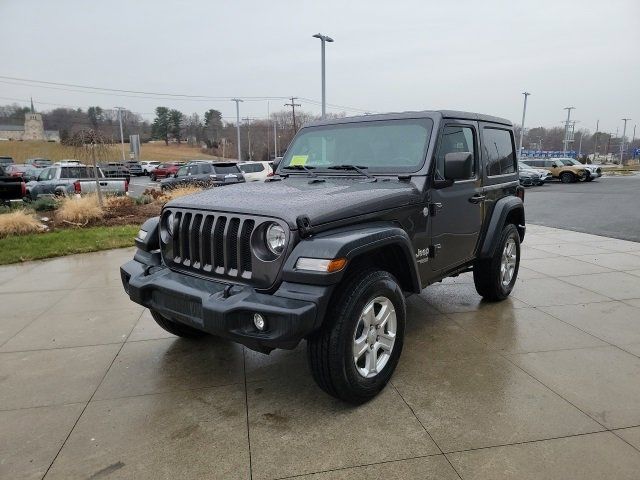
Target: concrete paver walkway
[(543, 385)]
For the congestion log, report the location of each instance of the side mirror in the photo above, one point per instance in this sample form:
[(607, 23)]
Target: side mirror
[(458, 165)]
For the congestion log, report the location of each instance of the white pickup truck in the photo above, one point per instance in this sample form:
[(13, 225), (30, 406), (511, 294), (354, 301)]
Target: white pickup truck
[(67, 178)]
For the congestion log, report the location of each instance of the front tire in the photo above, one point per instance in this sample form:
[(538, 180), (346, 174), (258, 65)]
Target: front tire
[(567, 177), (354, 354), (495, 277), (176, 328)]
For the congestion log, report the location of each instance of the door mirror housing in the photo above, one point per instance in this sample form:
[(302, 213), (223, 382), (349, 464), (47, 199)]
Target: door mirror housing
[(458, 166)]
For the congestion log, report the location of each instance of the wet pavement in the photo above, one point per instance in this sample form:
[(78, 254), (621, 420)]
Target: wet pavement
[(543, 385)]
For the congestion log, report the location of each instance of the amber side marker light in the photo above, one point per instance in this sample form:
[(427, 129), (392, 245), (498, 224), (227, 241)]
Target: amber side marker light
[(321, 264)]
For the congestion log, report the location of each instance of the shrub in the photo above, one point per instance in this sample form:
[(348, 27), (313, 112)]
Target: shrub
[(144, 200), (43, 204), (80, 210), (18, 222)]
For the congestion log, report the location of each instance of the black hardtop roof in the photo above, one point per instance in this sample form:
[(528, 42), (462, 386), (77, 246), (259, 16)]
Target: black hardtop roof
[(418, 114)]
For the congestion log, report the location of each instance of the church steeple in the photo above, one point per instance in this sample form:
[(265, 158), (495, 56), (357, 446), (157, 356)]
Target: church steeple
[(32, 109)]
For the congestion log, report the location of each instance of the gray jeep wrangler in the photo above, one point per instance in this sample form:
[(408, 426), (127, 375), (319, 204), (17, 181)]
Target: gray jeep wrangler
[(361, 213)]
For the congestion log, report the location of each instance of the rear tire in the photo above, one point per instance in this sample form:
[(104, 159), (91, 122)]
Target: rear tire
[(489, 275), (567, 177), (176, 328), (354, 354)]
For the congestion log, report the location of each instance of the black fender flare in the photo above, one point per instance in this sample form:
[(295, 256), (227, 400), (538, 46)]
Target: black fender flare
[(501, 211), (349, 242)]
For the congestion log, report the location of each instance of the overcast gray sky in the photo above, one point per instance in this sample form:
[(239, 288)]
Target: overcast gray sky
[(387, 56)]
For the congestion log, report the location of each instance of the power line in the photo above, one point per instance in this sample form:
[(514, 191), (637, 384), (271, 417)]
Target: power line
[(76, 88)]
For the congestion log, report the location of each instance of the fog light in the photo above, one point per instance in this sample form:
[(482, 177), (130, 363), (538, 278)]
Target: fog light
[(259, 321)]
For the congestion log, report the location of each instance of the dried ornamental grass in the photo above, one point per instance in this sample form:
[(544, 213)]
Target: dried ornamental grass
[(79, 210), (18, 223)]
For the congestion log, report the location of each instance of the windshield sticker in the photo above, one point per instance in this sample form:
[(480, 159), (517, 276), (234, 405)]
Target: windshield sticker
[(299, 160)]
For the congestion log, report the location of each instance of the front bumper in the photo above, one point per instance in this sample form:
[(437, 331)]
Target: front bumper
[(594, 173), (225, 309)]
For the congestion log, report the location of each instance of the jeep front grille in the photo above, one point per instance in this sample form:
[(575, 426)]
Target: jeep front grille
[(211, 244)]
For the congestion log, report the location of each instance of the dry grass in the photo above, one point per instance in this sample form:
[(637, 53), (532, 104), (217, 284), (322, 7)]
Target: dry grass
[(18, 223), (20, 151), (178, 192), (116, 202), (79, 210)]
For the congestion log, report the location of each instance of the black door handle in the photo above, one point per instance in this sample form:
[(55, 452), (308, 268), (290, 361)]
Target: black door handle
[(477, 198)]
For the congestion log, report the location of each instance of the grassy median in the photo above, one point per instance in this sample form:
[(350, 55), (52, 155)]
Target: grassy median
[(20, 248)]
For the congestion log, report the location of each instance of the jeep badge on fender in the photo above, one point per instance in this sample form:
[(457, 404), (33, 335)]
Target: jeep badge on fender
[(362, 212)]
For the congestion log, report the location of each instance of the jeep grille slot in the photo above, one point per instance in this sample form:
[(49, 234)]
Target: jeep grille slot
[(213, 244)]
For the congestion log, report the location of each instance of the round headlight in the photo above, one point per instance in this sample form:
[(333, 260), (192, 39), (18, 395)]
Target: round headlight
[(275, 238), (169, 223)]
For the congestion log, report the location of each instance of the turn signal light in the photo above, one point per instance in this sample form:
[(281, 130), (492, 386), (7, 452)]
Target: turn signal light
[(321, 264)]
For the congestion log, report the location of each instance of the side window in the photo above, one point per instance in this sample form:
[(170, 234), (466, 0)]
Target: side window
[(182, 172), (51, 174), (454, 139), (498, 151), (205, 168)]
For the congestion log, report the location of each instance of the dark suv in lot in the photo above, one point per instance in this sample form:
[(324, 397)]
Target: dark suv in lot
[(362, 212)]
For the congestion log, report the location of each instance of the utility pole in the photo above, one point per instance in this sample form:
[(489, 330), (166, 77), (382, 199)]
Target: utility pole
[(293, 106), (121, 132), (624, 132), (275, 138), (323, 39), (595, 146), (580, 144), (268, 139), (248, 121), (524, 112), (238, 100), (566, 130)]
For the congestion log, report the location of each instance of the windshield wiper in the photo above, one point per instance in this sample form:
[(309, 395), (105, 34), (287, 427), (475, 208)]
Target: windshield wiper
[(361, 169), (301, 167)]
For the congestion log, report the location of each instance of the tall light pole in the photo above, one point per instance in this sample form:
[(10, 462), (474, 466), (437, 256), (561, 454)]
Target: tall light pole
[(238, 100), (595, 141), (566, 130), (121, 132), (323, 39), (524, 112), (624, 132)]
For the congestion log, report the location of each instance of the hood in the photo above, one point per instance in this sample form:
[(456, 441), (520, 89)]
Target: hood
[(334, 199)]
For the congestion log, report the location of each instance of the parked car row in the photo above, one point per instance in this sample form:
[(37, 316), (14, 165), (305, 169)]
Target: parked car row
[(538, 171), (567, 170)]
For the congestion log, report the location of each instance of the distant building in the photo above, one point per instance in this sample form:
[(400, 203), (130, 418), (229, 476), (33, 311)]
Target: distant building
[(33, 129)]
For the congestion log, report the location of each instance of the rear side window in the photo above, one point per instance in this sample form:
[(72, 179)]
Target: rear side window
[(498, 152), (205, 168), (252, 167)]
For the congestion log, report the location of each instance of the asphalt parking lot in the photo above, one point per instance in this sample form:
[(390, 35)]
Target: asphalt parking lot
[(608, 206), (138, 185), (543, 385)]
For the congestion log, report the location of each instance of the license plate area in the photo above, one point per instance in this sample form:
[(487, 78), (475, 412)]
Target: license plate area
[(181, 305)]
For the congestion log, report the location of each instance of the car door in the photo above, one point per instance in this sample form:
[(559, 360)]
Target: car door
[(48, 185), (455, 208)]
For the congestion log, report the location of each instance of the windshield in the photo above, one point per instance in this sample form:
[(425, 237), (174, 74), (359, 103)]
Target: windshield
[(567, 161), (385, 146)]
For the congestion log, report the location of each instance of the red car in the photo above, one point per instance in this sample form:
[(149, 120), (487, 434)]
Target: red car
[(165, 170)]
